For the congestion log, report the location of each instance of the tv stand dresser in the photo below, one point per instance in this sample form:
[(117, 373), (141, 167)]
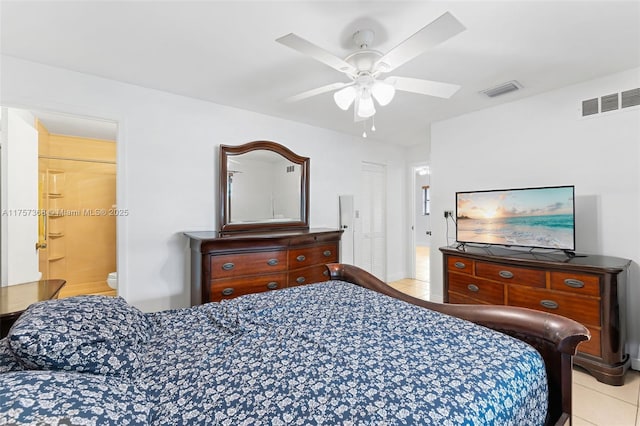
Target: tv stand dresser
[(227, 266), (590, 289)]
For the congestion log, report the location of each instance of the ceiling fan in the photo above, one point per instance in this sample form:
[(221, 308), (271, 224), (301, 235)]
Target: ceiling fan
[(365, 67)]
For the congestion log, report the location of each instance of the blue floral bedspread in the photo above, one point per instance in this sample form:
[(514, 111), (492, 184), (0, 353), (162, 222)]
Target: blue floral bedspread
[(322, 354), (336, 354)]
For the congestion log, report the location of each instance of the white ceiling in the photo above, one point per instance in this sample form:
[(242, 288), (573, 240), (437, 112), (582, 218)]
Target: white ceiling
[(225, 52)]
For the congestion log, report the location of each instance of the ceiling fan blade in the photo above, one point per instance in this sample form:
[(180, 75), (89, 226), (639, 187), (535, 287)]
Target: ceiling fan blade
[(438, 31), (424, 87), (317, 91), (307, 48)]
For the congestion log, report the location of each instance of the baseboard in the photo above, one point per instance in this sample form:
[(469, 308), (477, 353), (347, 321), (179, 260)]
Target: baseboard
[(635, 364)]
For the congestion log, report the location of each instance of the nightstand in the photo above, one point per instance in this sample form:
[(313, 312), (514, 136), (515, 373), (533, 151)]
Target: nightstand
[(14, 299)]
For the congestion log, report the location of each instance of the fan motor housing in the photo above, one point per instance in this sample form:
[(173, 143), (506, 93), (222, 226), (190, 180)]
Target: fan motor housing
[(364, 60)]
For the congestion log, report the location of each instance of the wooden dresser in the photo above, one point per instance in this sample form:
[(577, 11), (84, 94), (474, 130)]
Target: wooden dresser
[(227, 266), (587, 288)]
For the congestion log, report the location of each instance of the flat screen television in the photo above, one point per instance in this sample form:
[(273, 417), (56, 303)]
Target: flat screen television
[(525, 217)]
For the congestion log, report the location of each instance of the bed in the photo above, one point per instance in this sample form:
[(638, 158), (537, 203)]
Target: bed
[(349, 351)]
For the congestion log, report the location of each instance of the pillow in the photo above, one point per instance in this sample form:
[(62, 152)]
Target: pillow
[(96, 334), (59, 398), (8, 361)]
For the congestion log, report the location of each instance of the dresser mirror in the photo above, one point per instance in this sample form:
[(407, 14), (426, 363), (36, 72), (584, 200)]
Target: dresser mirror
[(264, 186)]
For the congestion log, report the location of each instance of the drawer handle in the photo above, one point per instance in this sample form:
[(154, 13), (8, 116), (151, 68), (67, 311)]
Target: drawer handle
[(573, 283), (549, 304), (227, 291), (327, 253), (506, 274), (228, 266), (459, 265), (272, 285), (473, 287), (300, 258), (272, 262), (300, 280)]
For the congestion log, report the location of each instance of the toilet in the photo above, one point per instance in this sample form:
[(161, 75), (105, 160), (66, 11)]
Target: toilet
[(112, 280)]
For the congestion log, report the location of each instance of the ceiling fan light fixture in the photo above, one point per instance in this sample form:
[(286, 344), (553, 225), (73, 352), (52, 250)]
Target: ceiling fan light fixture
[(383, 92), (365, 107), (345, 97)]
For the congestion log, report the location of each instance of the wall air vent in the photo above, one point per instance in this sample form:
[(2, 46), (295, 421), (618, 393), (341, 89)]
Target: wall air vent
[(503, 88), (612, 102), (609, 102), (590, 107), (630, 98)]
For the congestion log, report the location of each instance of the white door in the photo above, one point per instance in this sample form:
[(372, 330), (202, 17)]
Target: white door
[(372, 215), (19, 215)]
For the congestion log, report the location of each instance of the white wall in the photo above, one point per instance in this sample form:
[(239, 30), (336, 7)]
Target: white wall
[(541, 141), (167, 169)]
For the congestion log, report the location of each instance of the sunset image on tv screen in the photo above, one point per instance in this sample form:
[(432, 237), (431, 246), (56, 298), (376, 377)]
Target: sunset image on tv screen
[(535, 217)]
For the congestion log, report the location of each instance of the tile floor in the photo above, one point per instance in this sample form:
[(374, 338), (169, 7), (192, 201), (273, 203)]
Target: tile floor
[(594, 403)]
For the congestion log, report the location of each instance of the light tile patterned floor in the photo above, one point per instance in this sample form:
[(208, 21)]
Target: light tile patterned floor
[(422, 263), (594, 403)]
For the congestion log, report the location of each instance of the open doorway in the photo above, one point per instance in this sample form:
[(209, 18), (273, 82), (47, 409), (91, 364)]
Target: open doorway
[(422, 222), (417, 284), (70, 174)]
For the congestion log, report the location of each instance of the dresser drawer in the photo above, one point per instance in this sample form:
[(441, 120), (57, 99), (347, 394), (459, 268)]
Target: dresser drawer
[(576, 283), (512, 275), (582, 309), (460, 264), (234, 287), (313, 255), (231, 265), (310, 275), (478, 289)]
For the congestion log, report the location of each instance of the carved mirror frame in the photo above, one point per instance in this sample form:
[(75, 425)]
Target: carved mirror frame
[(226, 226)]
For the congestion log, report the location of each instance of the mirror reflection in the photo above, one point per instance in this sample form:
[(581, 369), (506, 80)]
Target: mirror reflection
[(263, 187)]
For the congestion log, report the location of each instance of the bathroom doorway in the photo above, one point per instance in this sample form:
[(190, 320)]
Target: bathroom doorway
[(76, 200)]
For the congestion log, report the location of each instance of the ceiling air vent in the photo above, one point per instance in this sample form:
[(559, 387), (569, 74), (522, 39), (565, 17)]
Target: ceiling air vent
[(503, 88), (609, 102), (630, 98), (590, 107)]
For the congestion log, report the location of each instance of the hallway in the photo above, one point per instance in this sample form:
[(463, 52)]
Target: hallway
[(418, 287)]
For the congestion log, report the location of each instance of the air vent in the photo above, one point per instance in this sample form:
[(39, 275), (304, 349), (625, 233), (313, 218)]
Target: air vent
[(612, 102), (590, 107), (507, 87), (609, 102), (630, 98)]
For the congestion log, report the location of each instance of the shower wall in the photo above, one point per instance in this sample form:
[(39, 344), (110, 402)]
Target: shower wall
[(78, 191)]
